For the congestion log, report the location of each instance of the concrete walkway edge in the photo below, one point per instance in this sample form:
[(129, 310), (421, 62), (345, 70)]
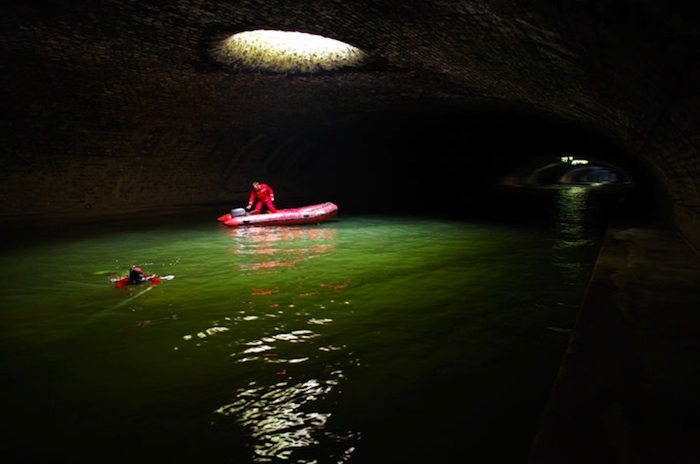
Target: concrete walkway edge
[(628, 389)]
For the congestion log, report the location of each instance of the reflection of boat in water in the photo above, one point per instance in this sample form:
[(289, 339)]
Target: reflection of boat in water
[(290, 216), (267, 248)]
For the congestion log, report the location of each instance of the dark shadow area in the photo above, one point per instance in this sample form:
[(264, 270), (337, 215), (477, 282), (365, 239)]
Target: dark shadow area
[(437, 160)]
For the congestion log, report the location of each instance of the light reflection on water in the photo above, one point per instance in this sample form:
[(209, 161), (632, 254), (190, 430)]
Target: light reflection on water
[(275, 416), (573, 213), (296, 344), (275, 247), (279, 415)]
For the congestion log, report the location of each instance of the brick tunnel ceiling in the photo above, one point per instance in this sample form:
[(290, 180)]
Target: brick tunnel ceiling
[(484, 82)]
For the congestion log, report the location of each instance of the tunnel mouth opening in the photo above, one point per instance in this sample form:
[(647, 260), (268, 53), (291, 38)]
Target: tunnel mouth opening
[(570, 170), (620, 193), (287, 52)]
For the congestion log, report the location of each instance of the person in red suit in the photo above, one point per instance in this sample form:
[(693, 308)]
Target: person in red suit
[(136, 275), (264, 196)]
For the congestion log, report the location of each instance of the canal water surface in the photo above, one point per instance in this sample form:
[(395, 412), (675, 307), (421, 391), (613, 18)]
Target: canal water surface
[(363, 339)]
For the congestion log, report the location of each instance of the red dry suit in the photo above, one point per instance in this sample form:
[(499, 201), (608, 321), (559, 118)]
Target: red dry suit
[(265, 196)]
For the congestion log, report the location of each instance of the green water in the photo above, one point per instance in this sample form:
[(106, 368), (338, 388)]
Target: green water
[(362, 339)]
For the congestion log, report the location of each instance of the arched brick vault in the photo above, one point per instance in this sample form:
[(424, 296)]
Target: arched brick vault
[(118, 104)]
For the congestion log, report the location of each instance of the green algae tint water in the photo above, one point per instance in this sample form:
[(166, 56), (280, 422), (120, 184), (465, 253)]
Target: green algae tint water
[(362, 339)]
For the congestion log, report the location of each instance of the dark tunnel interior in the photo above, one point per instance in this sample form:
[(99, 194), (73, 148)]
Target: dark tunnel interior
[(448, 161)]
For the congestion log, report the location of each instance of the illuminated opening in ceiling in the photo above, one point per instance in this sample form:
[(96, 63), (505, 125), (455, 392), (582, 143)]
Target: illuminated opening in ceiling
[(287, 52)]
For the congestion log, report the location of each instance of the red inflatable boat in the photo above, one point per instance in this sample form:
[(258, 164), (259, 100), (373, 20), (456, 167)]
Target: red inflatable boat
[(304, 215)]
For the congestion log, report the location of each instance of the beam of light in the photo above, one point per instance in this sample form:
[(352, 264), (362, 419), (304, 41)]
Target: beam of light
[(287, 52)]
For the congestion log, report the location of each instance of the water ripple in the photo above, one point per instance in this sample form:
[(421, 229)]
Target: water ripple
[(281, 421)]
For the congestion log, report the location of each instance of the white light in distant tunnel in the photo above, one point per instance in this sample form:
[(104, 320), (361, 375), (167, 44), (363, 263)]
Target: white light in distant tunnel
[(572, 160), (287, 52)]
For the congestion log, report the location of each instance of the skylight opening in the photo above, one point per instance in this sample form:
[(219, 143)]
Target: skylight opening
[(287, 52)]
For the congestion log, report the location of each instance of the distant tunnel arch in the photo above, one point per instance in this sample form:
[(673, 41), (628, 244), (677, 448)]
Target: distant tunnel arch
[(576, 170)]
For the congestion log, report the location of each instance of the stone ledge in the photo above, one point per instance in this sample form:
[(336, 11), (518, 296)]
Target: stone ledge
[(627, 390)]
